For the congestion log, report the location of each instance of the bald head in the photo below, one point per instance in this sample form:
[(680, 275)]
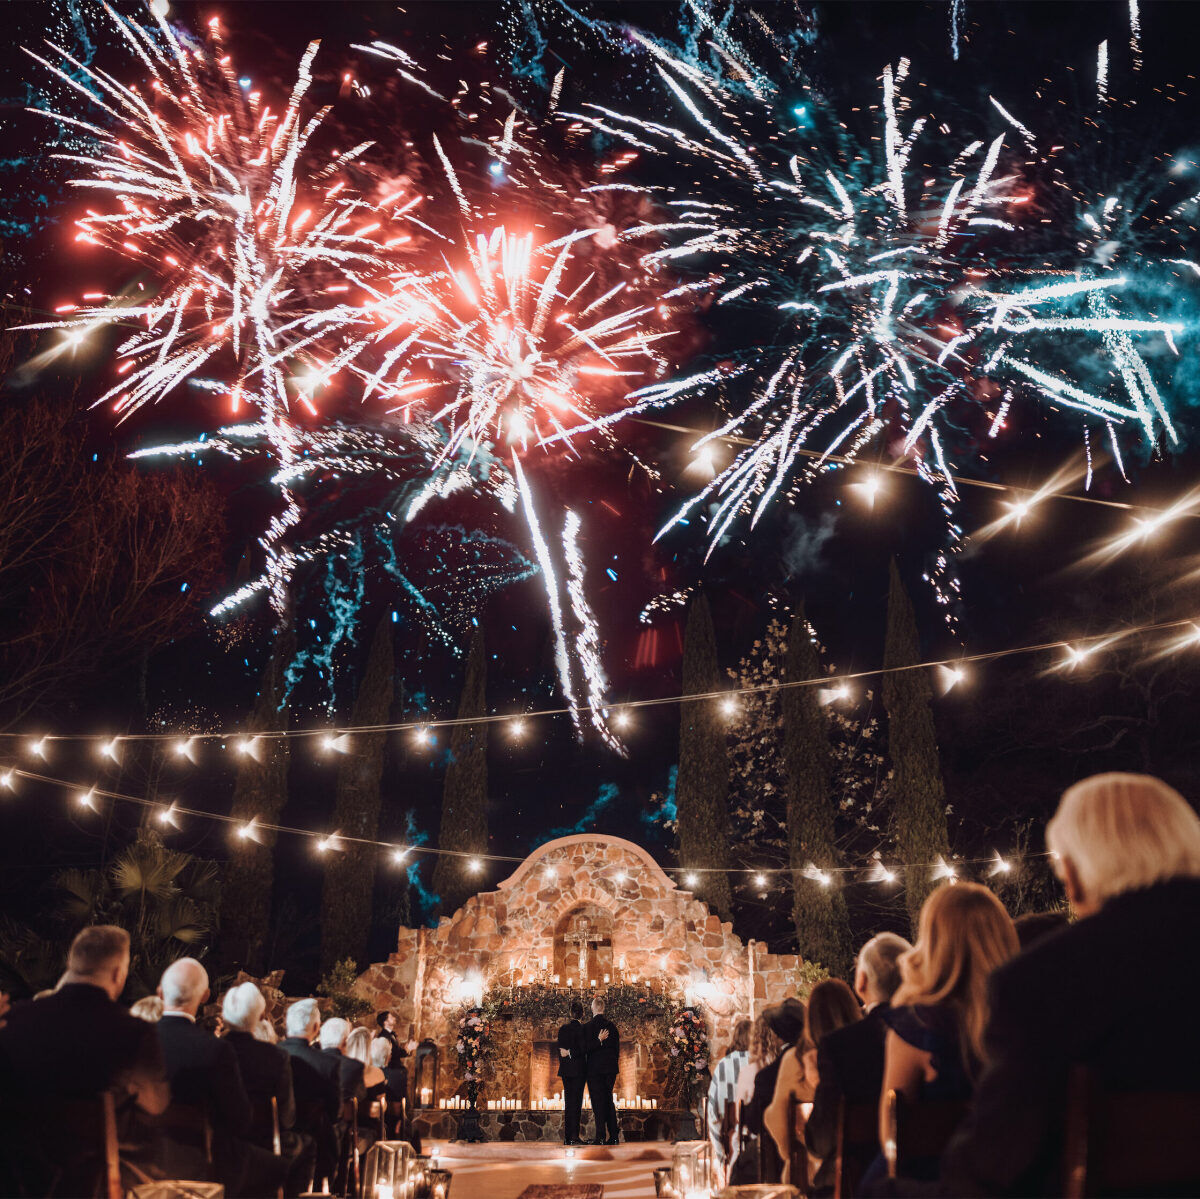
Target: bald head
[(184, 986)]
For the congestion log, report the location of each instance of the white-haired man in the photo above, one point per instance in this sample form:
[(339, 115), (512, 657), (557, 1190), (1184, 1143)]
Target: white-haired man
[(1112, 992), (333, 1036), (267, 1074), (850, 1060), (316, 1082)]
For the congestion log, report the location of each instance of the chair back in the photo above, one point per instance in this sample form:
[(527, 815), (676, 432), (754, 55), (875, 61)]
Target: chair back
[(857, 1145), (1130, 1142), (913, 1131), (797, 1148)]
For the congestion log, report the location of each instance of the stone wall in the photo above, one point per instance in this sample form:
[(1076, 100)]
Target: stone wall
[(659, 933)]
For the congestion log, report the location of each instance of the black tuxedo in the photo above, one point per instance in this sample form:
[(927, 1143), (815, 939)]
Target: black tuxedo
[(56, 1054), (350, 1076), (572, 1070), (399, 1053), (603, 1063), (1080, 996), (850, 1066), (316, 1083)]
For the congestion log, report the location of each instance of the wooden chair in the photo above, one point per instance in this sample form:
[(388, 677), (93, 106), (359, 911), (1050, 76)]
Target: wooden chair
[(1130, 1143), (857, 1145), (915, 1131), (348, 1164), (797, 1147), (186, 1129)]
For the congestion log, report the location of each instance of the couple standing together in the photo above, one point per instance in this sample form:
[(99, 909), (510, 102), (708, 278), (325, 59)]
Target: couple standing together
[(589, 1053)]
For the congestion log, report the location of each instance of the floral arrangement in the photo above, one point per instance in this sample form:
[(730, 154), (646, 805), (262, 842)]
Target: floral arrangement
[(687, 1039), (474, 1032), (625, 1003)]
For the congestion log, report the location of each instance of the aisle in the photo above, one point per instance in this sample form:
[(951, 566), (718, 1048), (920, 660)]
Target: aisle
[(503, 1171)]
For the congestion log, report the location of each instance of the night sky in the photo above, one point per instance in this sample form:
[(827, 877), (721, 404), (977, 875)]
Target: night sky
[(1011, 737)]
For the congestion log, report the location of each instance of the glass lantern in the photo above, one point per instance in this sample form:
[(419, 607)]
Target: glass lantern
[(439, 1184), (419, 1173), (692, 1169), (387, 1171)]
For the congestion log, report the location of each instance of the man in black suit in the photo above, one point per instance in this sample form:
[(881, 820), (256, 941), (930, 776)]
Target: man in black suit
[(572, 1070), (316, 1084), (850, 1060), (602, 1046), (73, 1046), (1128, 852), (333, 1036), (386, 1028), (267, 1075), (206, 1082)]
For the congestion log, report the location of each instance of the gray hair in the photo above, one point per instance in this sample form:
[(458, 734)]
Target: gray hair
[(264, 1030), (358, 1045), (334, 1032), (597, 1006), (183, 983), (243, 1007), (1122, 832), (301, 1016), (879, 960), (381, 1052)]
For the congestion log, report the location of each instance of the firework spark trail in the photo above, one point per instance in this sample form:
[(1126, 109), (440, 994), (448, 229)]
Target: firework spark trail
[(905, 308), (202, 183)]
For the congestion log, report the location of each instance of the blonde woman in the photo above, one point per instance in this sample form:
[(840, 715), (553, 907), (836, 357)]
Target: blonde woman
[(934, 1047)]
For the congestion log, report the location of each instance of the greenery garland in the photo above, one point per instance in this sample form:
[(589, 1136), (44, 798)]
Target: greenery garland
[(623, 1003)]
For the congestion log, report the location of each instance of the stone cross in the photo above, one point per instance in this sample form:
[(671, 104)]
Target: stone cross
[(584, 938)]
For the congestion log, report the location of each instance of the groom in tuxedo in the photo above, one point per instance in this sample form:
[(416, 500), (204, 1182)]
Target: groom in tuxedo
[(572, 1066), (603, 1045)]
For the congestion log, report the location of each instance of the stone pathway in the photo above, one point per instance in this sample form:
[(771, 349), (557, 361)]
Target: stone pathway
[(505, 1171)]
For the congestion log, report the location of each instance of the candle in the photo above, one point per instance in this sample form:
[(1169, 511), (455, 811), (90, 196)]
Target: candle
[(568, 982), (606, 979), (556, 978), (591, 982)]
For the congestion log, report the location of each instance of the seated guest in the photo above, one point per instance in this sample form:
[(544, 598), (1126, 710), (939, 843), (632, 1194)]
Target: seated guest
[(786, 1021), (73, 1045), (395, 1092), (1033, 926), (316, 1084), (206, 1083), (765, 1047), (850, 1060), (358, 1049), (148, 1009), (934, 1046), (722, 1097), (264, 1031), (830, 1006), (267, 1074), (1127, 849), (335, 1032)]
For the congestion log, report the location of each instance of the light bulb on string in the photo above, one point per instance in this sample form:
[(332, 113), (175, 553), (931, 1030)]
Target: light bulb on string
[(832, 695), (474, 865), (399, 855), (423, 735), (325, 844), (185, 748), (1000, 865), (950, 677), (168, 816), (249, 830), (729, 707), (943, 870), (815, 874), (111, 749), (333, 743), (8, 780), (38, 747), (1077, 655), (247, 747), (869, 488), (621, 718), (516, 729), (880, 873), (691, 879), (87, 799), (760, 880)]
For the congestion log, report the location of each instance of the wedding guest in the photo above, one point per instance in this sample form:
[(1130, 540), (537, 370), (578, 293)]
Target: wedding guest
[(1127, 850), (765, 1047), (267, 1074), (149, 1008), (1033, 926), (722, 1097), (73, 1045), (358, 1049), (830, 1006), (264, 1031), (572, 1071), (850, 1059), (934, 1048), (386, 1028), (316, 1083), (333, 1037), (206, 1080), (786, 1021), (395, 1091)]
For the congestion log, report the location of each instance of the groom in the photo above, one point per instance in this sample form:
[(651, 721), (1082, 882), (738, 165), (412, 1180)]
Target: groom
[(572, 1064), (602, 1043)]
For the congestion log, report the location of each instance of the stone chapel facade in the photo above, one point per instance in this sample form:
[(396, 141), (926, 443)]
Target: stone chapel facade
[(578, 907)]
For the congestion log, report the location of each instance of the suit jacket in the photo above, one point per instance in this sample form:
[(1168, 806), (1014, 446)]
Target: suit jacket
[(603, 1057), (266, 1073), (204, 1073), (350, 1074), (316, 1083), (1080, 996), (77, 1043), (570, 1036), (399, 1053)]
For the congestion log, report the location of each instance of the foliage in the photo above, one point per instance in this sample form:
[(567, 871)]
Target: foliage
[(472, 1046), (624, 1003), (260, 791), (687, 1042), (464, 825), (167, 901), (818, 909), (350, 872), (338, 985), (918, 794), (702, 785), (808, 974)]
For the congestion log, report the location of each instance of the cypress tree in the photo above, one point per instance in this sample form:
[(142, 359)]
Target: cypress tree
[(819, 911), (261, 792), (350, 872), (918, 794), (464, 794), (702, 785)]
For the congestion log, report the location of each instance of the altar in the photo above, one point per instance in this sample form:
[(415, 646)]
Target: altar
[(581, 916)]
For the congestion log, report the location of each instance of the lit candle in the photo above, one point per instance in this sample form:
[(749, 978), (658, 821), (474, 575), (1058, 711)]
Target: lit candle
[(591, 982), (568, 982), (606, 979), (556, 978)]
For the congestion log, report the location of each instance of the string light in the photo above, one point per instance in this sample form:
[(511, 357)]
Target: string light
[(87, 799), (943, 870), (7, 780), (880, 873), (247, 746), (691, 879), (249, 830), (399, 855), (729, 707), (516, 729), (422, 736), (325, 844), (831, 695), (475, 865), (169, 816), (38, 748), (1000, 866), (331, 743), (111, 749), (1077, 656), (185, 747), (951, 676), (620, 877), (870, 487), (621, 718), (760, 880)]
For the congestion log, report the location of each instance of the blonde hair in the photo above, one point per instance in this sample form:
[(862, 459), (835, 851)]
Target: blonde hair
[(764, 1043), (148, 1008), (358, 1046), (963, 935), (1122, 832)]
